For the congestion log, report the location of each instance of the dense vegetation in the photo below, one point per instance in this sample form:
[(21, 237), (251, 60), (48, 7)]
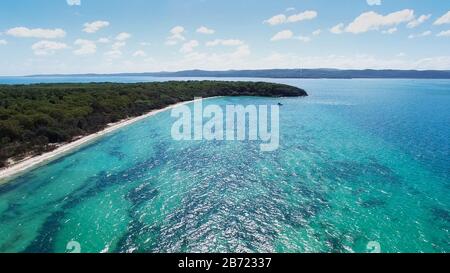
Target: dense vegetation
[(33, 118)]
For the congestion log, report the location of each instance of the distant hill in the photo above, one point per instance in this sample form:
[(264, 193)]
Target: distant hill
[(292, 73)]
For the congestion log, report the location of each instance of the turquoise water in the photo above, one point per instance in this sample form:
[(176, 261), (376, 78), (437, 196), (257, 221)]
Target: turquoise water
[(359, 161)]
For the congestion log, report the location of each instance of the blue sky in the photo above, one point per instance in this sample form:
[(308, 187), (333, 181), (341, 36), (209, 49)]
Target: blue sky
[(106, 36)]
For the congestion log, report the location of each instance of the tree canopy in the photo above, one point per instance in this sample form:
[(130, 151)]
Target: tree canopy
[(34, 118)]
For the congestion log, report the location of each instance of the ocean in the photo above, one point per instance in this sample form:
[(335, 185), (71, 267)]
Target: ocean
[(361, 163)]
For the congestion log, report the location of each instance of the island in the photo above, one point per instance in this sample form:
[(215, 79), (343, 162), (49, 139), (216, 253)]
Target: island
[(38, 119)]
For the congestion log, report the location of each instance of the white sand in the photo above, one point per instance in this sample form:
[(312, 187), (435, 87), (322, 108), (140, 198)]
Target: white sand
[(10, 172)]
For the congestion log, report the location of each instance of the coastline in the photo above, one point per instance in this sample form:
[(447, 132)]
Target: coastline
[(11, 172)]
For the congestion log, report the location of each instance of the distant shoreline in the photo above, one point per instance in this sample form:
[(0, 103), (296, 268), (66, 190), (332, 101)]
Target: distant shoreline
[(11, 172), (323, 73)]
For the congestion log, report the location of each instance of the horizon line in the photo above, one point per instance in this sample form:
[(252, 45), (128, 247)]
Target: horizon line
[(228, 70)]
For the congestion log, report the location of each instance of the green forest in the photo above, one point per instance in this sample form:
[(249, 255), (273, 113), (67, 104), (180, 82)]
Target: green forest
[(36, 118)]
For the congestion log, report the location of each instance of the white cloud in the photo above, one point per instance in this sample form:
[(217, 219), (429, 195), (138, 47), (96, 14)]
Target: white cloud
[(307, 15), (444, 33), (373, 21), (115, 51), (176, 35), (123, 36), (337, 29), (24, 32), (228, 42), (237, 58), (282, 35), (74, 2), (423, 34), (42, 48), (445, 19), (290, 9), (241, 52), (113, 54), (95, 26), (3, 42), (189, 46), (358, 61), (417, 22), (170, 42), (103, 40), (86, 47), (139, 53), (374, 2), (305, 39), (145, 44), (118, 45), (317, 32), (205, 30), (177, 30), (390, 31), (282, 19), (276, 20)]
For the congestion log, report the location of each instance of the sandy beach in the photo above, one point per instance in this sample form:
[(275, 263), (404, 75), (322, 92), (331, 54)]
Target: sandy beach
[(6, 174)]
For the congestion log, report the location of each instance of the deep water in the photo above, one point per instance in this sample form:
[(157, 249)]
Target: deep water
[(359, 161)]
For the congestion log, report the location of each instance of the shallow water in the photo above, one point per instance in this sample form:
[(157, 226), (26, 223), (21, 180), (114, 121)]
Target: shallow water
[(360, 161)]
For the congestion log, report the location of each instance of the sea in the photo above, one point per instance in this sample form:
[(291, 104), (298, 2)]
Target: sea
[(363, 166)]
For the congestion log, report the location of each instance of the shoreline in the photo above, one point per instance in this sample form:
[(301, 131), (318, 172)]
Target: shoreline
[(34, 162)]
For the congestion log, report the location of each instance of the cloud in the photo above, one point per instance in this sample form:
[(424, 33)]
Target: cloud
[(282, 35), (3, 42), (189, 46), (113, 54), (305, 39), (118, 45), (276, 20), (307, 15), (123, 36), (103, 40), (139, 53), (282, 19), (290, 9), (176, 35), (373, 21), (228, 42), (95, 26), (417, 22), (390, 31), (241, 52), (444, 33), (317, 32), (357, 61), (373, 2), (445, 19), (237, 58), (205, 30), (24, 32), (74, 2), (43, 48), (423, 34), (145, 44), (86, 47), (337, 29)]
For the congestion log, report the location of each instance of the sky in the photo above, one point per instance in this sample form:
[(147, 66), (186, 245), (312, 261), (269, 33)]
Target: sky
[(110, 36)]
